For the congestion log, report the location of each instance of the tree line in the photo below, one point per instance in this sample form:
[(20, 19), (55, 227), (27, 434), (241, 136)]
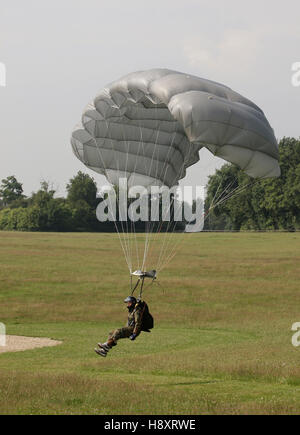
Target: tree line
[(234, 201), (42, 211)]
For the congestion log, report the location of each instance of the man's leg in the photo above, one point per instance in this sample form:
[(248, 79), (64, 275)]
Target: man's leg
[(120, 333), (113, 337)]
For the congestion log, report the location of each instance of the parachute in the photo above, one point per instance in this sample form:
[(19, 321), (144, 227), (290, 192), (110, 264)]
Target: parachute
[(149, 127)]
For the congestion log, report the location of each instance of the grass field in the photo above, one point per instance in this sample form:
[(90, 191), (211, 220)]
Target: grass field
[(222, 337)]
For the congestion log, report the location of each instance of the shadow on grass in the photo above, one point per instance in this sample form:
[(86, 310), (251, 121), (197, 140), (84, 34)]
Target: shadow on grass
[(177, 384)]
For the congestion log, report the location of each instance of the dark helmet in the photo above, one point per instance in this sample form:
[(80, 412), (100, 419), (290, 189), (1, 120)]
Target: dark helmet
[(130, 299)]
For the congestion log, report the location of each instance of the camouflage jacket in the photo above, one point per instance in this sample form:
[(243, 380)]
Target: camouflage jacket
[(135, 320)]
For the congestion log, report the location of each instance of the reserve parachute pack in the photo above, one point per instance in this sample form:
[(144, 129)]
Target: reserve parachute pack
[(147, 319)]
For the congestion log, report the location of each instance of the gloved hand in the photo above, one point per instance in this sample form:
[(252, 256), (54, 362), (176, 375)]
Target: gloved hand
[(133, 337)]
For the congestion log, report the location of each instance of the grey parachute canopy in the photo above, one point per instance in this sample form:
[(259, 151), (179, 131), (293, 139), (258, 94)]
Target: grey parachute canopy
[(150, 125)]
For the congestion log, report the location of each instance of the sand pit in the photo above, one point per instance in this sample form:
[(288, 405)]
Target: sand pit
[(16, 343)]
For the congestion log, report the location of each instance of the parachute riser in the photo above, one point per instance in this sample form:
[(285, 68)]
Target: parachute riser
[(141, 279)]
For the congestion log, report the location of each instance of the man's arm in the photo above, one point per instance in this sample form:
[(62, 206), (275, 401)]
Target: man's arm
[(138, 316)]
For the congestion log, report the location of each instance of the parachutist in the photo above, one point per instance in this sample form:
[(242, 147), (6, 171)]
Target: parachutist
[(139, 319)]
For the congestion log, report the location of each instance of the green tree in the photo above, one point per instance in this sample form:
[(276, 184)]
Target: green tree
[(84, 216), (82, 198), (10, 190), (49, 213), (82, 187)]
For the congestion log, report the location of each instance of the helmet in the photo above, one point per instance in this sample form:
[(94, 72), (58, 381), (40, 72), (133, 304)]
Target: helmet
[(130, 299)]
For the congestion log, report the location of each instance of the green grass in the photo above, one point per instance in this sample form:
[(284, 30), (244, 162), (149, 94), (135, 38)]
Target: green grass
[(222, 337)]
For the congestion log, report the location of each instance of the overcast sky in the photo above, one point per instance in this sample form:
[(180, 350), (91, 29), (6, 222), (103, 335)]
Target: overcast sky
[(60, 53)]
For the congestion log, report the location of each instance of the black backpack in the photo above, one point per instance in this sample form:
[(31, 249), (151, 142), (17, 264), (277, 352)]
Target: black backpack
[(147, 319)]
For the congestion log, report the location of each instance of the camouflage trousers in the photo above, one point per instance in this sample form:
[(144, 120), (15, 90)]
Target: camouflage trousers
[(121, 333)]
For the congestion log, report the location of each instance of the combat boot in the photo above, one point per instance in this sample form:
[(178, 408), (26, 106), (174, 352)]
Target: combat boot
[(108, 345), (104, 346), (101, 352)]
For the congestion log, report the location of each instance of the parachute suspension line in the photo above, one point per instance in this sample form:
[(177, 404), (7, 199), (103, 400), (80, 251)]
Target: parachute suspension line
[(126, 234), (123, 243), (128, 237), (116, 226), (132, 224), (141, 145), (204, 217), (164, 171), (225, 190), (237, 191), (174, 251), (132, 238), (163, 175), (123, 232), (132, 233), (205, 214), (147, 241), (160, 286), (136, 248), (159, 227), (146, 236), (216, 192), (228, 195), (167, 244), (162, 250), (126, 175)]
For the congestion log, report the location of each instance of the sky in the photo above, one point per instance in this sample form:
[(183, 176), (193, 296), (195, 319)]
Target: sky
[(58, 54)]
